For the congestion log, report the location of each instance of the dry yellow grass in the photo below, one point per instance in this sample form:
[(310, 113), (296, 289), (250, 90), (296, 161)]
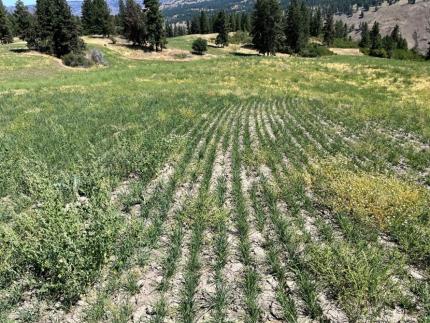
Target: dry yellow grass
[(375, 197), (124, 48), (347, 51)]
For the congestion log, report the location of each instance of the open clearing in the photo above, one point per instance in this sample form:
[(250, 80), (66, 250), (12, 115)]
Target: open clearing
[(236, 189)]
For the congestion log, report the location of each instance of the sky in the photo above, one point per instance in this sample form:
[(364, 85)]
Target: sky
[(12, 2)]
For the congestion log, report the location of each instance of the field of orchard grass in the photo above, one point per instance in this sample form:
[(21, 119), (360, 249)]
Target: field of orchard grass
[(231, 188)]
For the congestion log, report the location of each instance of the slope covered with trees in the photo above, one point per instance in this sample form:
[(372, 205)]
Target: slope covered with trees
[(180, 10), (412, 19)]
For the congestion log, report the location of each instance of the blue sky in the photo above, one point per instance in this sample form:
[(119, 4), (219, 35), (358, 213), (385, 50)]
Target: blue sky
[(12, 2)]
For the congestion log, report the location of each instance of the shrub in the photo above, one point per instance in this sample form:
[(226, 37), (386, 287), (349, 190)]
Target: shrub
[(364, 50), (405, 54), (200, 46), (315, 50), (240, 37), (379, 52), (63, 248), (76, 60), (97, 57), (344, 43)]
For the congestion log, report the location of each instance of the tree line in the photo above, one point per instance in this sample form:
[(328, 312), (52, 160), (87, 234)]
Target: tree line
[(272, 29), (52, 29), (142, 25), (16, 24), (204, 23), (275, 30)]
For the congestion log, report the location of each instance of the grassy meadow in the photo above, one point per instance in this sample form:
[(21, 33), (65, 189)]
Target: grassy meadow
[(228, 189)]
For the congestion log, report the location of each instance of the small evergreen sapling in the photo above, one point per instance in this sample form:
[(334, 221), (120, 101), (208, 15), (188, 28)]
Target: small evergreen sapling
[(221, 27), (200, 46)]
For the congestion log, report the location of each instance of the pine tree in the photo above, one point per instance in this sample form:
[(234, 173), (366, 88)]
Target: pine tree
[(87, 16), (428, 53), (6, 36), (375, 37), (246, 22), (155, 25), (121, 14), (231, 21), (195, 26), (96, 18), (396, 36), (306, 22), (41, 38), (102, 21), (328, 30), (221, 27), (204, 23), (170, 30), (23, 19), (134, 23), (297, 27), (338, 29), (65, 37), (365, 36), (188, 27), (55, 29), (266, 28), (238, 22), (316, 23)]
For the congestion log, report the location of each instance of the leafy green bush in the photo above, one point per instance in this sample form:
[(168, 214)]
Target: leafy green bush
[(379, 52), (315, 50), (76, 60), (344, 43), (62, 245), (365, 51), (401, 54), (240, 37), (405, 54), (200, 46)]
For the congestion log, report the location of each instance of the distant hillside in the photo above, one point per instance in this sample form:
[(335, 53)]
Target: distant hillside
[(185, 9), (75, 6), (173, 9), (410, 18)]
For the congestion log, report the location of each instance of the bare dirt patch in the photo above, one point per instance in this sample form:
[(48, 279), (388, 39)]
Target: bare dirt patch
[(347, 51)]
